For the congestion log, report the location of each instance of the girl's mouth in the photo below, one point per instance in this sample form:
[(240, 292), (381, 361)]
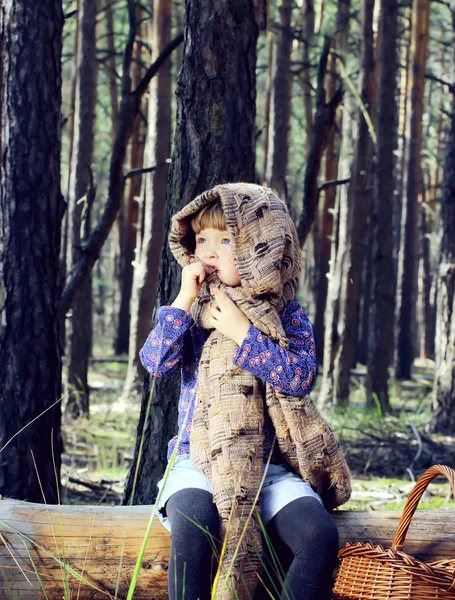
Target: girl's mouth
[(209, 270)]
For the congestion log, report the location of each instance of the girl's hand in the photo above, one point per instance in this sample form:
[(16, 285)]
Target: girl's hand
[(193, 276), (227, 318)]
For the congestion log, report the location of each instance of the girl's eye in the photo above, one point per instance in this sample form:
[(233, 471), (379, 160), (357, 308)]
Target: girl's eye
[(226, 241), (200, 240)]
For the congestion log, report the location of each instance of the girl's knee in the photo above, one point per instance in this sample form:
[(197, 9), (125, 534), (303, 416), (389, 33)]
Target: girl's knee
[(193, 511)]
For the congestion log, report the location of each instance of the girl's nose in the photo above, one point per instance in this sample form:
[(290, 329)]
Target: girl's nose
[(210, 252)]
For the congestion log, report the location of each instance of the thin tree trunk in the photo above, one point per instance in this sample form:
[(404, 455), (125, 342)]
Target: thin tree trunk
[(280, 113), (81, 321), (268, 102), (331, 171), (407, 259), (362, 351), (221, 73), (308, 30), (424, 280), (383, 266), (31, 210), (127, 221), (444, 385), (151, 218), (112, 66), (358, 205), (65, 230)]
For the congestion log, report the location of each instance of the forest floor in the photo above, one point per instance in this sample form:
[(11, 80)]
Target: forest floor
[(385, 453)]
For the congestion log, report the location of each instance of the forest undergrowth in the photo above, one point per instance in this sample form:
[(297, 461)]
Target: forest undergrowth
[(386, 453)]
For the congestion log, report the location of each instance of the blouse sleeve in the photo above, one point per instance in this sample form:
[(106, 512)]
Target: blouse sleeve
[(292, 370), (162, 351)]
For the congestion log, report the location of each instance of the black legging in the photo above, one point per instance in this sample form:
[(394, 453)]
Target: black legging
[(303, 534)]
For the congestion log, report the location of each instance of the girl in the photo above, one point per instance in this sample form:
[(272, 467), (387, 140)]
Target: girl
[(249, 434)]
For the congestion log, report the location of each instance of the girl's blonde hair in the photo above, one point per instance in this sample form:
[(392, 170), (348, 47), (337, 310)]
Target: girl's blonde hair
[(210, 216)]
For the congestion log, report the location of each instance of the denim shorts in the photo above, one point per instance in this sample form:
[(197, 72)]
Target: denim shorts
[(280, 487)]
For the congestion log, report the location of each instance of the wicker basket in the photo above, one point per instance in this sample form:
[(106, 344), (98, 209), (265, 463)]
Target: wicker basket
[(370, 572)]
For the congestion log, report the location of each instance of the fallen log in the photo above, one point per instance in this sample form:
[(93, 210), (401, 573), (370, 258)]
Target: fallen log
[(43, 548)]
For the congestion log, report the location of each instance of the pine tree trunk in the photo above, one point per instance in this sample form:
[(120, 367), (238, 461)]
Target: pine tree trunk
[(362, 351), (220, 71), (112, 66), (407, 259), (268, 103), (332, 157), (383, 267), (280, 114), (444, 385), (358, 202), (31, 210), (128, 221), (424, 281), (153, 200), (308, 29), (80, 329)]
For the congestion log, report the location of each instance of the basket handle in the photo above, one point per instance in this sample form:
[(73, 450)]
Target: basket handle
[(414, 499)]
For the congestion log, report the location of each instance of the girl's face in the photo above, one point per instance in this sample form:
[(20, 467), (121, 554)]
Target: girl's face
[(213, 249)]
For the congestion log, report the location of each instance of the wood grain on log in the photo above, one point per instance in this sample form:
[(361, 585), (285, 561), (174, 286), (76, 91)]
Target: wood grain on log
[(101, 544)]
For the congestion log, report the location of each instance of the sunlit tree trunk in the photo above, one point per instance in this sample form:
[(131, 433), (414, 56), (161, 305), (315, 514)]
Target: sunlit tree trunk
[(383, 266), (153, 196), (332, 156), (80, 323), (407, 258), (128, 215), (444, 385), (222, 109), (359, 195), (31, 210), (424, 279), (308, 32)]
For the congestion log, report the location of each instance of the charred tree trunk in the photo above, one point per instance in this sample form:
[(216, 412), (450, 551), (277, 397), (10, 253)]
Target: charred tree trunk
[(359, 195), (280, 114), (80, 328), (383, 266), (407, 259), (31, 210), (216, 98)]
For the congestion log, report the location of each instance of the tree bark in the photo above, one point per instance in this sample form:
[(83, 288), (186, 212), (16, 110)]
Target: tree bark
[(153, 200), (31, 210), (214, 143), (383, 266), (332, 156), (426, 331), (308, 31), (443, 419), (407, 258), (280, 114), (81, 320), (127, 220), (359, 195)]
